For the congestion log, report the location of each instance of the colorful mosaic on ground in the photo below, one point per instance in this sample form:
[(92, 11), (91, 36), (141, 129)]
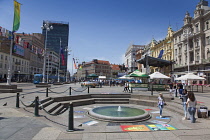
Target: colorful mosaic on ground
[(152, 127)]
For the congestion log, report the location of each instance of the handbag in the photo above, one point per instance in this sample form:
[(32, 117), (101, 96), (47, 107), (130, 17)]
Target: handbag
[(165, 104)]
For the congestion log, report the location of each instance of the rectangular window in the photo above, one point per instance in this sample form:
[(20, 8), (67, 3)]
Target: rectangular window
[(196, 28), (208, 40)]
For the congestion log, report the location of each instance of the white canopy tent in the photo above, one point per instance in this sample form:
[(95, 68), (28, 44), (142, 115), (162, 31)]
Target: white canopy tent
[(190, 76), (158, 75), (125, 77), (102, 77)]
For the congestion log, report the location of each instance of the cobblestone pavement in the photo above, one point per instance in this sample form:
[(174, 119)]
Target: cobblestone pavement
[(21, 124)]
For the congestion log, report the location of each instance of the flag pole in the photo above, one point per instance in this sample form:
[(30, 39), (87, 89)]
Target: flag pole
[(16, 24)]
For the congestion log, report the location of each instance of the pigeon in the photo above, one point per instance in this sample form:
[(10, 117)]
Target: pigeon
[(80, 125), (5, 104), (23, 96)]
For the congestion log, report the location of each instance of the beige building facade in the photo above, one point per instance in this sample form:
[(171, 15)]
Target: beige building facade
[(163, 49), (192, 43)]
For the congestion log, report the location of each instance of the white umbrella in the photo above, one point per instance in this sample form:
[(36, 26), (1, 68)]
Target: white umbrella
[(190, 76), (158, 75), (125, 77)]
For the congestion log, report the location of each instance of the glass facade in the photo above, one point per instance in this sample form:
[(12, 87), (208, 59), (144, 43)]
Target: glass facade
[(60, 32)]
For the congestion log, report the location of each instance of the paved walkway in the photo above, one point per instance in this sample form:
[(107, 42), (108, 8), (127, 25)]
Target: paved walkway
[(21, 124)]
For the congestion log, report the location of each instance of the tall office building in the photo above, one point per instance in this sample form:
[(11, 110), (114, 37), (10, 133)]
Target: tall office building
[(57, 41)]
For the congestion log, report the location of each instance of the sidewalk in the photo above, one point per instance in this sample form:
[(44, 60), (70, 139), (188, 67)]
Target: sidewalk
[(20, 124)]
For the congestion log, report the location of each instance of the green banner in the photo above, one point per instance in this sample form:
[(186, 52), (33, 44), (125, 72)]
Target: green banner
[(16, 20)]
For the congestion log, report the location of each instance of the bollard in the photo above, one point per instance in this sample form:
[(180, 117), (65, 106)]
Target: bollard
[(131, 90), (69, 90), (47, 92), (176, 92), (152, 89), (88, 89), (36, 108), (18, 100), (71, 119)]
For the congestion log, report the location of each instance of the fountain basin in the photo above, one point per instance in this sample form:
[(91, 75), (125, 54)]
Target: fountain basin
[(125, 114)]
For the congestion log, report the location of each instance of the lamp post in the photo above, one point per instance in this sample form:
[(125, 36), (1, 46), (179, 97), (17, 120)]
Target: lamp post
[(47, 27), (59, 62), (18, 76), (67, 50), (48, 57), (187, 33)]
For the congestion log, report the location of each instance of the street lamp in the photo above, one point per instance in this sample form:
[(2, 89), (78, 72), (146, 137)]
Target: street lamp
[(67, 50), (18, 76), (47, 27), (48, 57), (59, 62), (188, 33)]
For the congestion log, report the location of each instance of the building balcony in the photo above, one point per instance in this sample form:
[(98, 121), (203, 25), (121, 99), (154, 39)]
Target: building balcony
[(17, 63), (179, 66), (205, 61)]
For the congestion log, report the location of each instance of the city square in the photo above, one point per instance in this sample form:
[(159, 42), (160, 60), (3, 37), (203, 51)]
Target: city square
[(104, 69), (21, 123)]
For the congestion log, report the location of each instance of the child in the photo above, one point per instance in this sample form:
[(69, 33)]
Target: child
[(161, 102), (184, 97)]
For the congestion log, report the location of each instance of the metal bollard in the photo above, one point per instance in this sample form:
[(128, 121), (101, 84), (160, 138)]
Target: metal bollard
[(69, 90), (36, 108), (88, 89), (176, 92), (47, 92), (152, 89), (131, 90), (18, 100), (71, 119)]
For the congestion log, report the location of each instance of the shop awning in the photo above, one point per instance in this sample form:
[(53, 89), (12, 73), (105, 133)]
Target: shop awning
[(155, 62)]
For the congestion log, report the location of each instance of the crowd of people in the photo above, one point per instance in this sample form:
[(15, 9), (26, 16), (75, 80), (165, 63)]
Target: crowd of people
[(188, 101)]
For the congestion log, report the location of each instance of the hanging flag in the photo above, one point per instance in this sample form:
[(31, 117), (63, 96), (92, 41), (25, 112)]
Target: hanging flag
[(75, 66), (62, 56), (16, 20)]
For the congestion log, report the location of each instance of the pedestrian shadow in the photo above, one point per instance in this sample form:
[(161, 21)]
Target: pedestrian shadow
[(1, 118)]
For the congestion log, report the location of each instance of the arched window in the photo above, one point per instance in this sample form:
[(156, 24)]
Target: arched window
[(207, 25)]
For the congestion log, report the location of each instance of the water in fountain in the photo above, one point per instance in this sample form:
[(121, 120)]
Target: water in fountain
[(119, 108)]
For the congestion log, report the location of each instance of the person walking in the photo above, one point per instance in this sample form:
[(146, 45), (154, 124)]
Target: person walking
[(184, 98), (170, 85), (161, 102), (126, 87), (180, 87), (191, 104)]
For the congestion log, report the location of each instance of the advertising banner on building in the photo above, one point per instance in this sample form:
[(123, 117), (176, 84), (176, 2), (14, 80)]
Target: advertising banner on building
[(18, 50)]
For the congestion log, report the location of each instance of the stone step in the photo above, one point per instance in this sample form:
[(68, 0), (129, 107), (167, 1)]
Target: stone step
[(110, 95), (59, 110), (45, 100), (47, 103), (78, 102), (10, 90), (143, 102), (54, 108), (147, 97), (111, 102), (43, 85), (173, 109), (111, 99), (8, 86)]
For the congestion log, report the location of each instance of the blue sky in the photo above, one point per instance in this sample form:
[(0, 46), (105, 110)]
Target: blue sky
[(101, 29)]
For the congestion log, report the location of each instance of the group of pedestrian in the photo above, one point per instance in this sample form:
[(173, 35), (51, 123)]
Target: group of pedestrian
[(189, 104), (126, 87)]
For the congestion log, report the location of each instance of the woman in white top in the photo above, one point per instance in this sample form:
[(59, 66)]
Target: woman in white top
[(191, 104), (161, 102)]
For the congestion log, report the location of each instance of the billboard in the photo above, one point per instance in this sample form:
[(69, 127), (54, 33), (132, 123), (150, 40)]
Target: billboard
[(18, 50)]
